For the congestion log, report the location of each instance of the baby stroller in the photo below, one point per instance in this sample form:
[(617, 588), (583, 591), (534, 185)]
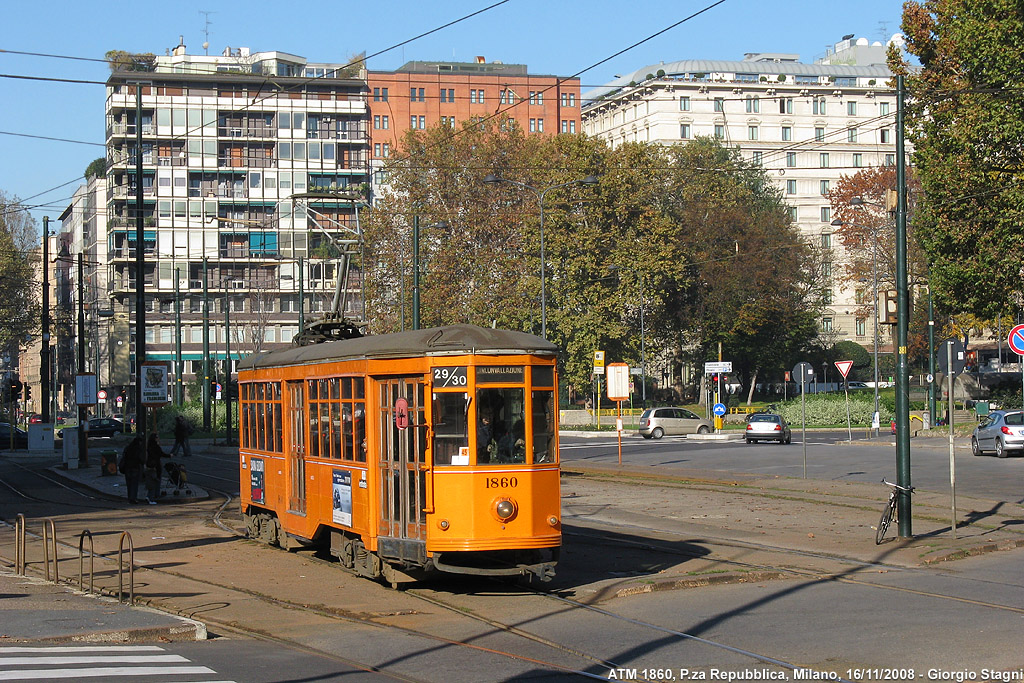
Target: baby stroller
[(179, 478)]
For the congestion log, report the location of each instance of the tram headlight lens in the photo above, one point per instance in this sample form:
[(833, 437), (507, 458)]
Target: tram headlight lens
[(443, 524), (505, 509)]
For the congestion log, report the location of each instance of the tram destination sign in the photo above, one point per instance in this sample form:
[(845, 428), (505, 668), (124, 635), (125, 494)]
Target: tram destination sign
[(500, 374), (449, 377)]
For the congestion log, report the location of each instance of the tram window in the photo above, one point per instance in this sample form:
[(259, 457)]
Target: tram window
[(278, 428), (500, 431), (325, 430), (451, 432), (543, 414), (346, 430), (359, 426), (336, 431), (543, 376)]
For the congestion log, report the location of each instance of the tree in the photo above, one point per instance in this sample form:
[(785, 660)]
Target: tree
[(97, 168), (119, 60), (966, 120), (19, 295)]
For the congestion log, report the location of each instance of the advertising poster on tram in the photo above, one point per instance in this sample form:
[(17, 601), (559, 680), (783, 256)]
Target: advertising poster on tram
[(342, 495), (256, 479)]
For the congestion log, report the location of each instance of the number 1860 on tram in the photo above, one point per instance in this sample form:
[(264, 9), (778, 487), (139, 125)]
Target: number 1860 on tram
[(427, 451)]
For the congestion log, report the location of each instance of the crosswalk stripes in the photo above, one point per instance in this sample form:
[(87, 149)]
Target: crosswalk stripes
[(32, 663)]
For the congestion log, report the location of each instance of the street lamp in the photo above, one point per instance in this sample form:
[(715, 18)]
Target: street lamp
[(857, 201), (643, 335), (492, 179)]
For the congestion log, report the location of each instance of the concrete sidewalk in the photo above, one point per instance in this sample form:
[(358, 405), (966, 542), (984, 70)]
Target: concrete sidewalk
[(34, 610)]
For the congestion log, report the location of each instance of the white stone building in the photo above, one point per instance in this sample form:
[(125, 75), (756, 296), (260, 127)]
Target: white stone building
[(808, 124)]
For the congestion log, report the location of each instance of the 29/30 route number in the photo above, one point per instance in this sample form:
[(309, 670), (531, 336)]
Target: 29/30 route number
[(450, 377)]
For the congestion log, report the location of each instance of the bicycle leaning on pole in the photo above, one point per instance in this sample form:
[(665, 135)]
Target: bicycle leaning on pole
[(890, 512)]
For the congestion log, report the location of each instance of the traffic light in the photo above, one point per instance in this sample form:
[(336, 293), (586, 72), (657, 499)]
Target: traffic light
[(28, 392), (233, 390), (714, 378), (15, 388)]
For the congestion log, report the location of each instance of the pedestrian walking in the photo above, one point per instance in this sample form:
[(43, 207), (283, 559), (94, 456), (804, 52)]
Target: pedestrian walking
[(182, 430), (154, 454), (130, 465)]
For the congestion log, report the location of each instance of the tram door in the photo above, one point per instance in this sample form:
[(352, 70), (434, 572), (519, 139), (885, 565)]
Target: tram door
[(402, 459), (297, 452)]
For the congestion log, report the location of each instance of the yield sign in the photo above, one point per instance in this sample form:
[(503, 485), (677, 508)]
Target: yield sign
[(1016, 340), (844, 367)]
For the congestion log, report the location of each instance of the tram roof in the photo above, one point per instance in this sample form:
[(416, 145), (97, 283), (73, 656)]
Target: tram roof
[(435, 341)]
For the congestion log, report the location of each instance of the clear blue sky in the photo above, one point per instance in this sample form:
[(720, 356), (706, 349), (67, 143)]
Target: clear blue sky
[(559, 37)]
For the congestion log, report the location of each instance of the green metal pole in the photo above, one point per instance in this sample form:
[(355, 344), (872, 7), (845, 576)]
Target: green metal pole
[(931, 358), (44, 349), (227, 367), (415, 272), (302, 296), (179, 389), (902, 325), (206, 346)]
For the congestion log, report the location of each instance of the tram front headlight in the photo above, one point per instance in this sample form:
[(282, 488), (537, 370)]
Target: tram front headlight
[(505, 509)]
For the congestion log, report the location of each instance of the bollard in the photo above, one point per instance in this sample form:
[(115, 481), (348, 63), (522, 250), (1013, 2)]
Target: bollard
[(131, 568), (48, 525), (92, 559), (19, 545)]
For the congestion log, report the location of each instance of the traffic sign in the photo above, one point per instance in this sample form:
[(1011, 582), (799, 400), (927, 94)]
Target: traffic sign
[(803, 372), (959, 356), (718, 409), (1016, 340), (618, 382), (712, 367), (844, 367)]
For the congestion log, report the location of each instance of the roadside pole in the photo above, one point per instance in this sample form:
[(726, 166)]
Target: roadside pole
[(952, 363), (844, 369), (804, 371)]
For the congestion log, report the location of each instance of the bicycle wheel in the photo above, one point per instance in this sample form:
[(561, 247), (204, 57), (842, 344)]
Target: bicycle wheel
[(883, 523)]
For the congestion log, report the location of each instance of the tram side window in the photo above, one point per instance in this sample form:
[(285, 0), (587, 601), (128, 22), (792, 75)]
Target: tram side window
[(543, 413), (451, 428), (337, 411), (500, 429), (260, 413)]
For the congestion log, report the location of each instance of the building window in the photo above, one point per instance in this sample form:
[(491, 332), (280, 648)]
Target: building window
[(787, 133), (791, 210), (826, 214), (684, 131), (785, 105), (826, 269), (533, 125), (883, 108), (890, 159), (826, 297), (540, 125), (472, 96), (751, 132), (790, 186), (819, 135), (480, 96), (568, 99), (753, 104), (860, 327), (858, 160), (380, 94), (851, 135), (826, 237), (756, 158), (791, 159), (884, 133), (572, 127), (823, 160), (719, 104), (719, 131), (818, 106), (826, 323), (684, 103), (376, 149), (851, 108), (386, 150), (824, 187), (536, 97)]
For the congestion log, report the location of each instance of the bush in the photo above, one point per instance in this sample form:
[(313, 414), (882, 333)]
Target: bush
[(830, 410)]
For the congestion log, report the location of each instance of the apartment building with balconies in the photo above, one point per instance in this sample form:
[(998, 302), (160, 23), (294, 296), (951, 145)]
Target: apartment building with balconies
[(253, 164), (806, 124)]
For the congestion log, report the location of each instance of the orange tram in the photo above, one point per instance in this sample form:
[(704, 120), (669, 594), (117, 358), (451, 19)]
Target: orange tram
[(406, 454)]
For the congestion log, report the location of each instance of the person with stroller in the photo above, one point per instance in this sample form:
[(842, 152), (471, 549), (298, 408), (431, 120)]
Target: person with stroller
[(154, 454), (132, 461)]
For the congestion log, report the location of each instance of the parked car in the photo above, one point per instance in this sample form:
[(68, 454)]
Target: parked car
[(657, 422), (767, 427), (1002, 431), (35, 419), (105, 426), (20, 436), (857, 385)]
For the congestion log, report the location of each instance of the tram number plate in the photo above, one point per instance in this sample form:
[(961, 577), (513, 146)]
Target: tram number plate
[(501, 482), (450, 377)]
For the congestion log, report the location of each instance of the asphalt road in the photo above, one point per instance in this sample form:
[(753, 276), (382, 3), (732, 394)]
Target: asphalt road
[(829, 457)]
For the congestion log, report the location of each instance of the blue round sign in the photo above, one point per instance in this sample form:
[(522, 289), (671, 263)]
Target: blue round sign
[(719, 409)]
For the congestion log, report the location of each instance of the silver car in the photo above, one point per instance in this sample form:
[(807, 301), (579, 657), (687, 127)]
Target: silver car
[(1001, 431), (767, 427), (657, 422)]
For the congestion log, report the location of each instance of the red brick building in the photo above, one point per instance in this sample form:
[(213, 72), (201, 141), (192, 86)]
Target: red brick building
[(423, 94)]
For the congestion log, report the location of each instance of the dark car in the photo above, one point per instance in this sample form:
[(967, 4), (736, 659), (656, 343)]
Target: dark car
[(767, 427), (105, 426), (20, 436)]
